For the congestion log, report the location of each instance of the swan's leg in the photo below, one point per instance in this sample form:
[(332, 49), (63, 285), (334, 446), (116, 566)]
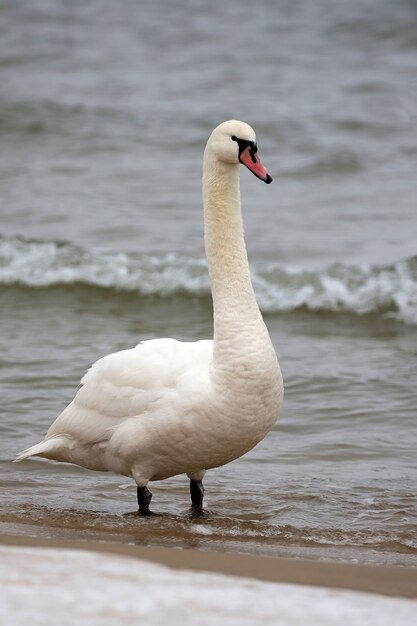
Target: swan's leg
[(144, 500), (197, 495)]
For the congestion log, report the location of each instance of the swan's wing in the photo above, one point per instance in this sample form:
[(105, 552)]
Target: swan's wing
[(128, 384)]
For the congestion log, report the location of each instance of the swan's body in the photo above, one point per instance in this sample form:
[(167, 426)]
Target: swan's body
[(167, 407)]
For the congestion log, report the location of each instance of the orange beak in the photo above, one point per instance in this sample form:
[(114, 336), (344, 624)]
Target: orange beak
[(250, 159)]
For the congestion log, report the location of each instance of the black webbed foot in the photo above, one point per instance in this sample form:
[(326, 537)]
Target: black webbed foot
[(197, 495), (144, 500)]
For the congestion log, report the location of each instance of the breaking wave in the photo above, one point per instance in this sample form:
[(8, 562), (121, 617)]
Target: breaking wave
[(362, 289)]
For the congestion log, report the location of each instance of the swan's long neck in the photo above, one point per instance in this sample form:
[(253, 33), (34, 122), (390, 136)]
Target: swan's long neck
[(237, 319)]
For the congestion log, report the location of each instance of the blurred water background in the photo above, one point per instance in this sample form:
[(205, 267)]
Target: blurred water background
[(105, 108)]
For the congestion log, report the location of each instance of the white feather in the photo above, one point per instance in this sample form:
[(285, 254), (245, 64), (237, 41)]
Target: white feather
[(167, 407)]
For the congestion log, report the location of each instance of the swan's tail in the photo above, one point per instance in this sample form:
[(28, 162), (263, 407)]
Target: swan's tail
[(40, 449)]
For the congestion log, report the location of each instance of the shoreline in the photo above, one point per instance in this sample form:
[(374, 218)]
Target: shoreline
[(384, 580)]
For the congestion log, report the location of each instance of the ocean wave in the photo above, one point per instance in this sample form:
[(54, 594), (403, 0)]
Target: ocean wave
[(331, 161), (361, 289)]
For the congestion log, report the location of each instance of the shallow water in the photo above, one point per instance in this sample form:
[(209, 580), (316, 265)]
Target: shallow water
[(330, 479), (103, 117)]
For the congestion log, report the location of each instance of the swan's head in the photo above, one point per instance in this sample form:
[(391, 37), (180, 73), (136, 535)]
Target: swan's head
[(235, 142)]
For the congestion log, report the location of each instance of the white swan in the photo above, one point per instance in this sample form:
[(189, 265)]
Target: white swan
[(167, 407)]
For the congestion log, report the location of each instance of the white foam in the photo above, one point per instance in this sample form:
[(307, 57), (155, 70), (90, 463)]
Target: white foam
[(359, 289), (66, 587)]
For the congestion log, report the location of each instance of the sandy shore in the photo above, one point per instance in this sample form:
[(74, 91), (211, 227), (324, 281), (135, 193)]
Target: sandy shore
[(391, 581)]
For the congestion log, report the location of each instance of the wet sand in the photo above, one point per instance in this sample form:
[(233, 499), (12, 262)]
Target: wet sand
[(390, 581)]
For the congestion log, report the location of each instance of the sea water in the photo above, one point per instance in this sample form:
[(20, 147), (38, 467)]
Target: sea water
[(104, 113)]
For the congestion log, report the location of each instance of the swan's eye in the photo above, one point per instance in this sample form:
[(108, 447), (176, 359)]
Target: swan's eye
[(245, 143)]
